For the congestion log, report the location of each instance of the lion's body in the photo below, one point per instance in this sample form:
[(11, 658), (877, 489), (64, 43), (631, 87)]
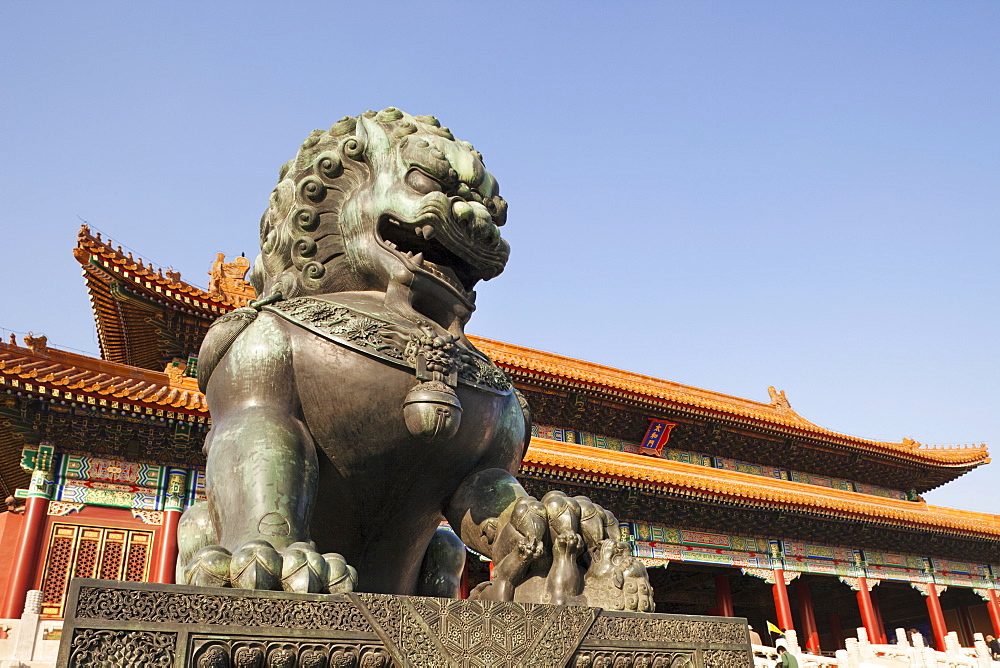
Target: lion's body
[(350, 412)]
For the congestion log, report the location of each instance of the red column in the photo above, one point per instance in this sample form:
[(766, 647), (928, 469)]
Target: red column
[(809, 633), (968, 628), (781, 605), (867, 611), (166, 569), (876, 606), (836, 630), (937, 617), (26, 556), (723, 596), (993, 605)]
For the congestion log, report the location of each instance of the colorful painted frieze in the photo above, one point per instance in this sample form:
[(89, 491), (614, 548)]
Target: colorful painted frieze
[(899, 574), (688, 457), (81, 467), (950, 566), (553, 433), (734, 558), (817, 558), (823, 481), (874, 490), (753, 469), (196, 486), (115, 495), (908, 561), (803, 550), (659, 533)]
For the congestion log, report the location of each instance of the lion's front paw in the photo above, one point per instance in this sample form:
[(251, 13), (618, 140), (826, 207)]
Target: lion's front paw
[(530, 549), (567, 545), (257, 565)]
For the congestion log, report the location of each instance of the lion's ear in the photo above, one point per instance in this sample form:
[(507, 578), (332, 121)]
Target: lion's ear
[(376, 141)]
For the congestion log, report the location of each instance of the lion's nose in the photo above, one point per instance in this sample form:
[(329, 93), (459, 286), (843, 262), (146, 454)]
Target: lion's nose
[(477, 221)]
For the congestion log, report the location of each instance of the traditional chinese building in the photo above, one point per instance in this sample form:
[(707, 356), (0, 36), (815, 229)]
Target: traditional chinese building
[(739, 507)]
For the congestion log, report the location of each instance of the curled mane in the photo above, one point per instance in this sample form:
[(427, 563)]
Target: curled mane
[(304, 239)]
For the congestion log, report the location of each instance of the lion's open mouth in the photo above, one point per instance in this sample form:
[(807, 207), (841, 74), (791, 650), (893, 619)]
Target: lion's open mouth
[(416, 244)]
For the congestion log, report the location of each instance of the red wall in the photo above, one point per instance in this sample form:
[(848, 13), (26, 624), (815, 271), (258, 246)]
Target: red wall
[(10, 529)]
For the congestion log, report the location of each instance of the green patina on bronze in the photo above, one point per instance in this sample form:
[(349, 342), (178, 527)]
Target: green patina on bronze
[(351, 413)]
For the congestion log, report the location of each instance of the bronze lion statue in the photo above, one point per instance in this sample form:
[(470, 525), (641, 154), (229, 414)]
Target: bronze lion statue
[(350, 413)]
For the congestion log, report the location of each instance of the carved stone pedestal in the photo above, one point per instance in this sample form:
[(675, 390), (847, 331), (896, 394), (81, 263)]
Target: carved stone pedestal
[(128, 624)]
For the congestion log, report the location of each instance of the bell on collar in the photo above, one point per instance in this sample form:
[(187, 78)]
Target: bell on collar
[(432, 411)]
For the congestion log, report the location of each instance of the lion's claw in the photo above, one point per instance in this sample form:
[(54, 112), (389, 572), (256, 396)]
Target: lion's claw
[(257, 565), (529, 549), (341, 576), (209, 567), (569, 544)]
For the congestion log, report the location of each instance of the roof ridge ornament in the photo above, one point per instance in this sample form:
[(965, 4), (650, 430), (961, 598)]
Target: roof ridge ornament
[(779, 400)]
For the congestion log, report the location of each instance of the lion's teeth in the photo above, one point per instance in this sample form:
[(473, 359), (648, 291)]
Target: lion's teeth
[(390, 245), (428, 232), (418, 259)]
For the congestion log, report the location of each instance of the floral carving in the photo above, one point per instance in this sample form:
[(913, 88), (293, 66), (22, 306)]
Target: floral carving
[(156, 606), (398, 342), (677, 629), (727, 658), (113, 649), (379, 631)]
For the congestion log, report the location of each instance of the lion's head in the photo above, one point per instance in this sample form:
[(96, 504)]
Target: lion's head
[(379, 201)]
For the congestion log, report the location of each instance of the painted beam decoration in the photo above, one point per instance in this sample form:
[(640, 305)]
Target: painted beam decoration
[(658, 544), (79, 480)]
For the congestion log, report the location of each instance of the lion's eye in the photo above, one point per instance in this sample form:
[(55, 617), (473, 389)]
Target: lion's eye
[(422, 183)]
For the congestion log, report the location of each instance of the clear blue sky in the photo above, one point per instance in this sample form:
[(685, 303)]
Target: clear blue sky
[(726, 194)]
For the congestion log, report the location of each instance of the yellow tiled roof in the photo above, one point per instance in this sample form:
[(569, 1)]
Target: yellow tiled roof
[(626, 384), (678, 478), (62, 374)]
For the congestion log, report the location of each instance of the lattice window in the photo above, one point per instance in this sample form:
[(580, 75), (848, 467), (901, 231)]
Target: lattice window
[(137, 561), (59, 562), (91, 552), (111, 560), (87, 553)]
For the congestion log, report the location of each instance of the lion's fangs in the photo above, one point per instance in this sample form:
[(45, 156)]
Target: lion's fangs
[(426, 232)]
